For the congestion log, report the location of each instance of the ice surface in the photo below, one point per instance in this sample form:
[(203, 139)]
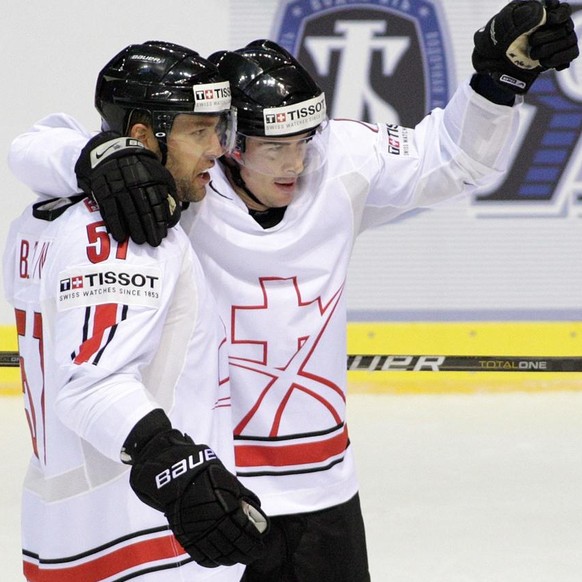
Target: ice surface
[(455, 488)]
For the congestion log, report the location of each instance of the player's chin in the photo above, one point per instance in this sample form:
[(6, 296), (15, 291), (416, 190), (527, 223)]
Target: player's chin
[(193, 194), (197, 189)]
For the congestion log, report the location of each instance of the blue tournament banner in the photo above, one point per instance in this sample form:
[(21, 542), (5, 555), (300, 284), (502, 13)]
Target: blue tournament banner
[(375, 60)]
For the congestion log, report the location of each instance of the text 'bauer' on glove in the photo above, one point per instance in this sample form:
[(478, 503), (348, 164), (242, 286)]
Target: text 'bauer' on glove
[(135, 193), (215, 518), (524, 39)]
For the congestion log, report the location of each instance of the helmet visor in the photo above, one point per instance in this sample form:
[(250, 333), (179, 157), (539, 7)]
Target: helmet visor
[(218, 129), (226, 130), (281, 156)]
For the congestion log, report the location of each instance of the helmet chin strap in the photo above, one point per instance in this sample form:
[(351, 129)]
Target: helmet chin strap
[(164, 149), (234, 171), (265, 218)]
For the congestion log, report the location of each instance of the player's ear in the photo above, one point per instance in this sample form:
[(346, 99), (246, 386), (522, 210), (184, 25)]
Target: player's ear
[(145, 135)]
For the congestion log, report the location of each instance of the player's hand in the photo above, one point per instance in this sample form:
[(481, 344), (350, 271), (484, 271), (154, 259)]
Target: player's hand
[(524, 39), (555, 44), (214, 517), (135, 193)]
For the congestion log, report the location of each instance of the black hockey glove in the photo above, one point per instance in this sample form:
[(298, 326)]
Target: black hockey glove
[(135, 193), (555, 44), (213, 516), (524, 39)]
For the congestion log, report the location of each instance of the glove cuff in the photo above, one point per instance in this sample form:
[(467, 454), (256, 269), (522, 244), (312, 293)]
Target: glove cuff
[(151, 425), (486, 86)]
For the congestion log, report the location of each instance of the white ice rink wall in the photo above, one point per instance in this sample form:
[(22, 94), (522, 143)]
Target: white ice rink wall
[(507, 255)]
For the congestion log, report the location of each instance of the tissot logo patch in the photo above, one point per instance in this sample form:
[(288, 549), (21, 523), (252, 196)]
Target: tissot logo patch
[(80, 287), (294, 118), (375, 60), (400, 140), (212, 97)]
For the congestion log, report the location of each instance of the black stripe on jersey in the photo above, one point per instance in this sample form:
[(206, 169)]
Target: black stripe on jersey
[(212, 187), (290, 436), (153, 569), (86, 323), (240, 473), (85, 330), (111, 544), (111, 335)]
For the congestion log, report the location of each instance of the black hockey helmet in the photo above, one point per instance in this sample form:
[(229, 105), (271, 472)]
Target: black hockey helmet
[(162, 79), (273, 94)]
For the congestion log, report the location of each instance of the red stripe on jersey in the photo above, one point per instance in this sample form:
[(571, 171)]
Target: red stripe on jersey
[(20, 321), (145, 553), (104, 318), (286, 455)]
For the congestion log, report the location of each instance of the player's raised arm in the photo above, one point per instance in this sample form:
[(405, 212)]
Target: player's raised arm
[(469, 143)]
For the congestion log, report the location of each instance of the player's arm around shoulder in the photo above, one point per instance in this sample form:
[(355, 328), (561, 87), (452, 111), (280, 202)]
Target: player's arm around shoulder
[(44, 156)]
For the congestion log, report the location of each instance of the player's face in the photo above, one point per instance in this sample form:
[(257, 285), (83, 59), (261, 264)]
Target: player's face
[(271, 167), (193, 146)]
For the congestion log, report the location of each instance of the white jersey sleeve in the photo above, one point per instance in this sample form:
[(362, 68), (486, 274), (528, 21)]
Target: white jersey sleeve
[(449, 153), (44, 157)]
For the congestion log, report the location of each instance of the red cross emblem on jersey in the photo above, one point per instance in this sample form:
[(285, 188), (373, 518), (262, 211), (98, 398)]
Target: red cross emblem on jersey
[(273, 342)]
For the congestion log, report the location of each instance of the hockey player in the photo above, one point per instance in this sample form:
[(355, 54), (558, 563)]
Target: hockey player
[(274, 235), (121, 349)]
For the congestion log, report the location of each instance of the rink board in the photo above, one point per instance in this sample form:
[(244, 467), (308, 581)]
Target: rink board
[(480, 338)]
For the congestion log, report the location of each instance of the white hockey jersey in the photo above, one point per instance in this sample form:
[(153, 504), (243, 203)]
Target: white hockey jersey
[(281, 291), (108, 332)]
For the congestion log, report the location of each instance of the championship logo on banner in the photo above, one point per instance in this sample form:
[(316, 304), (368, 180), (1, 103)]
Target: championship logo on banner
[(545, 176), (376, 61)]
